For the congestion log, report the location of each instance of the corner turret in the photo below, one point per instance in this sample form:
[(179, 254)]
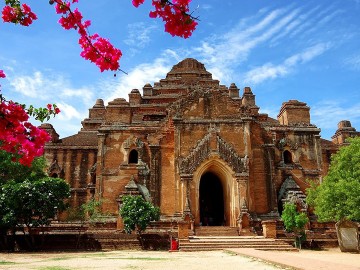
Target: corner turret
[(294, 112), (344, 131)]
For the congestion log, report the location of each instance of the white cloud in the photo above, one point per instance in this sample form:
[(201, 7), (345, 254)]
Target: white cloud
[(35, 85), (85, 93), (68, 112), (68, 121), (236, 44), (42, 87), (139, 34), (271, 71), (308, 54), (353, 62), (300, 24), (267, 71), (272, 111), (205, 6), (47, 86), (327, 114), (330, 16), (224, 53)]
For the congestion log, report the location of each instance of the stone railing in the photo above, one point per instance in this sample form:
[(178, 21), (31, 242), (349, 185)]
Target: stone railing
[(197, 155)]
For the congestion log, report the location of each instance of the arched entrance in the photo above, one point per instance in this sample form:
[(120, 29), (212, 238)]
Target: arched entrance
[(211, 200)]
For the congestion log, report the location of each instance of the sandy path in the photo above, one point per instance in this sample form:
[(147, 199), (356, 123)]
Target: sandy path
[(149, 260), (330, 259)]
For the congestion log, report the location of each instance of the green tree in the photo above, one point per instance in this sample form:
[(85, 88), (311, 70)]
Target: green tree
[(294, 222), (14, 171), (338, 196), (137, 213), (28, 197), (32, 203)]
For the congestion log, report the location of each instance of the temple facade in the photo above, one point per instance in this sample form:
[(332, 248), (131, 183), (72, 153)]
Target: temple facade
[(199, 150)]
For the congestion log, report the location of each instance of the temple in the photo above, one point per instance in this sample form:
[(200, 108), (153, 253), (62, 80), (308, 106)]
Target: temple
[(199, 150)]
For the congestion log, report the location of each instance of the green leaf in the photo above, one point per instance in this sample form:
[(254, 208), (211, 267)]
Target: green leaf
[(137, 213), (337, 197)]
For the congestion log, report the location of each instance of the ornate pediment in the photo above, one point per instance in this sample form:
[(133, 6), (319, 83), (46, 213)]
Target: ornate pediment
[(55, 170), (286, 142), (198, 154), (133, 141), (202, 151), (229, 154)]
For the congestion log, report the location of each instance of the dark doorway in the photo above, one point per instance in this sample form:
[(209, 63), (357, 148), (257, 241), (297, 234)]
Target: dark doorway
[(133, 157), (287, 157), (211, 200)]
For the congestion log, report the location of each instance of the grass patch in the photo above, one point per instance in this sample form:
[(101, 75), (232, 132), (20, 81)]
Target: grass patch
[(229, 252), (60, 258), (54, 268), (138, 258), (6, 263), (99, 254), (82, 256)]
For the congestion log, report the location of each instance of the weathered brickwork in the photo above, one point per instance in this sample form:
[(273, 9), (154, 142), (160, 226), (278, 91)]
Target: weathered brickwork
[(199, 150)]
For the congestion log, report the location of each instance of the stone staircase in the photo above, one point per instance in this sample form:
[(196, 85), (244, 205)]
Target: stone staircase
[(219, 238), (206, 243)]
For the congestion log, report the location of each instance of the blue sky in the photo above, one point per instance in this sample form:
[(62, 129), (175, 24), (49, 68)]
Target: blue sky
[(304, 50)]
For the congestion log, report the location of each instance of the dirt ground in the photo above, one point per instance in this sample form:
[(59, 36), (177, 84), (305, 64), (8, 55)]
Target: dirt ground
[(150, 260), (329, 259)]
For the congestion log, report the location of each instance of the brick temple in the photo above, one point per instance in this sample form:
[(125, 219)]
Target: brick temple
[(199, 150)]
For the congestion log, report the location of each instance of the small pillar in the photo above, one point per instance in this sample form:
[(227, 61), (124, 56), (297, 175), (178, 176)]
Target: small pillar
[(135, 97), (147, 90), (119, 224), (183, 229), (248, 98), (233, 91), (269, 228)]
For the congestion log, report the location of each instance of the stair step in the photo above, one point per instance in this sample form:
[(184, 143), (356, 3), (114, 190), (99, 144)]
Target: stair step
[(233, 244), (216, 231), (203, 243), (290, 249)]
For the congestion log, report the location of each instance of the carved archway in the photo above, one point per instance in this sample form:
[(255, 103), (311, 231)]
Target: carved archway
[(213, 154), (217, 168)]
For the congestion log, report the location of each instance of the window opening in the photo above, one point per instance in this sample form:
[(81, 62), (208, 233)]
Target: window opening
[(133, 157), (287, 157)]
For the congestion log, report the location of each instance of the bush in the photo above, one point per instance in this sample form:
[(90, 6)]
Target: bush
[(295, 222), (137, 213)]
